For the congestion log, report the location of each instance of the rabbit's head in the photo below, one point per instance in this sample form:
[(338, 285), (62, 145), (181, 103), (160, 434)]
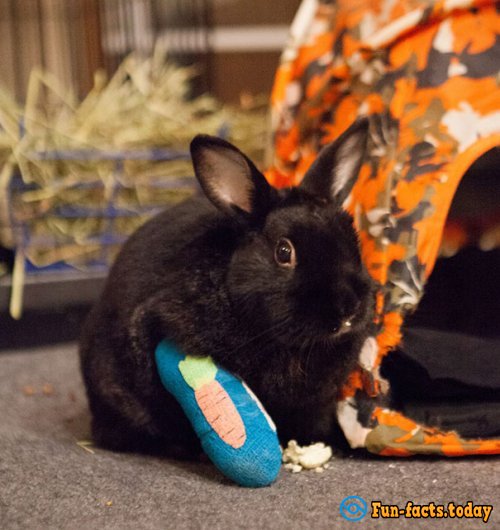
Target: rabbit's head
[(296, 275)]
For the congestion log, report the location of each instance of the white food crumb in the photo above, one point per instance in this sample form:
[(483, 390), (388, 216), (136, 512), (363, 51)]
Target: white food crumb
[(313, 456)]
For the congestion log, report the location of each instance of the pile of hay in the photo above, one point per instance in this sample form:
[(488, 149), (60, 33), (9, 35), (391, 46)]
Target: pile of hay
[(77, 178)]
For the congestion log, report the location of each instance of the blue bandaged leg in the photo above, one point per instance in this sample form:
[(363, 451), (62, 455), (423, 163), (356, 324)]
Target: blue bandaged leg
[(235, 431)]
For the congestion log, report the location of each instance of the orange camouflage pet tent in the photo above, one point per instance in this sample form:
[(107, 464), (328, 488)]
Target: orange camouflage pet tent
[(427, 72)]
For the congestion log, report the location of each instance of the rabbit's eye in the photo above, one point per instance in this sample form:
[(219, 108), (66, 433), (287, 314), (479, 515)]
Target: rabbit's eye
[(284, 254)]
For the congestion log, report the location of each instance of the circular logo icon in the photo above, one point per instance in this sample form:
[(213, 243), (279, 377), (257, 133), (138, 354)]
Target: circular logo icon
[(353, 508)]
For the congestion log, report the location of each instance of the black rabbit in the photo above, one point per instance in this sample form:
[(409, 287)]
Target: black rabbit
[(268, 282)]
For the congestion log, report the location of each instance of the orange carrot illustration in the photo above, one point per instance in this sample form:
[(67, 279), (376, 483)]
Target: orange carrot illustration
[(214, 402)]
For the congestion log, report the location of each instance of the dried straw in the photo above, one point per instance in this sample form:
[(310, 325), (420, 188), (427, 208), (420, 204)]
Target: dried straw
[(144, 106)]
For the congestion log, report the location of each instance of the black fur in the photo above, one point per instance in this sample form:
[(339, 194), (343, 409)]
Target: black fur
[(207, 279)]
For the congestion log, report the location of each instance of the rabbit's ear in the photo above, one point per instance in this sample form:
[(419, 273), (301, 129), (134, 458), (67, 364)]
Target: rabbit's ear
[(335, 171), (229, 178)]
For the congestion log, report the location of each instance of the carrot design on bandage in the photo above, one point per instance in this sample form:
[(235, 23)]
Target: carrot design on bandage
[(214, 402)]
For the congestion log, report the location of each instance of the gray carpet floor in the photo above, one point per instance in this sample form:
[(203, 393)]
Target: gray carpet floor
[(50, 480)]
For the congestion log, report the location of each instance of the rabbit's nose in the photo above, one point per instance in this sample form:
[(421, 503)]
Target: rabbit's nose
[(346, 324), (342, 327)]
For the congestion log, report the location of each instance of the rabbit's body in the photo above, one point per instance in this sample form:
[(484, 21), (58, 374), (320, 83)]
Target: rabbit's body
[(218, 282)]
